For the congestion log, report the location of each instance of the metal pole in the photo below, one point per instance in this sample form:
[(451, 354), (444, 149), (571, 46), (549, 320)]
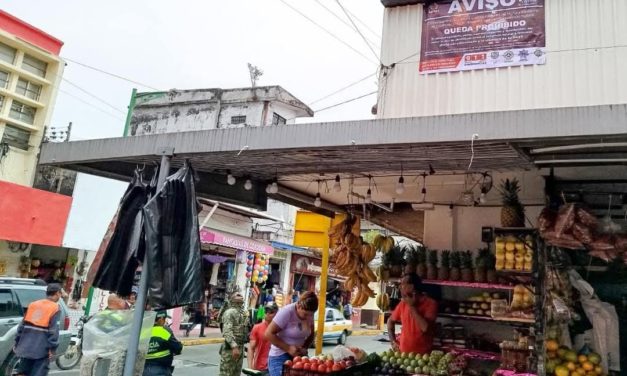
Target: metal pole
[(322, 297), (140, 304)]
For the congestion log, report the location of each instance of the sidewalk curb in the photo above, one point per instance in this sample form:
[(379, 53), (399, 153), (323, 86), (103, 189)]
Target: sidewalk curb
[(217, 340)]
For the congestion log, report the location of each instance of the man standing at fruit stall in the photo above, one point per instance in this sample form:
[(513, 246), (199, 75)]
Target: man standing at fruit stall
[(259, 346), (235, 331), (417, 312)]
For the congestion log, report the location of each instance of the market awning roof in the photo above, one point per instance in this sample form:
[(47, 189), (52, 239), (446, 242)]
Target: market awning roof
[(512, 140)]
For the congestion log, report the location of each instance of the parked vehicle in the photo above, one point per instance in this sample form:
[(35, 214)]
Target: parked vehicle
[(74, 352), (15, 296), (336, 327)]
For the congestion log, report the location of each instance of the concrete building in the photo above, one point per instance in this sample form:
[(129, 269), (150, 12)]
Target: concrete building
[(30, 74), (192, 110)]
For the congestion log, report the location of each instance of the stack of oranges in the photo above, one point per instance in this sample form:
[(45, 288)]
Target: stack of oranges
[(563, 361)]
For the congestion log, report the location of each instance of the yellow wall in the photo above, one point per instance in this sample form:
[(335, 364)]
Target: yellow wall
[(19, 165)]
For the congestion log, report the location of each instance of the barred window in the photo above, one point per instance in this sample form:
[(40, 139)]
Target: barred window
[(277, 119), (7, 53), (28, 89), (34, 66), (240, 119), (20, 111)]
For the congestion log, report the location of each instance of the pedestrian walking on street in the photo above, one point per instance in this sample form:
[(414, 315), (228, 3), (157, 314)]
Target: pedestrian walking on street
[(235, 331), (291, 332), (161, 348), (259, 346), (38, 334)]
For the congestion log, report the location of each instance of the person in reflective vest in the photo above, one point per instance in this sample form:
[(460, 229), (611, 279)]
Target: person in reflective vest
[(38, 334), (161, 348)]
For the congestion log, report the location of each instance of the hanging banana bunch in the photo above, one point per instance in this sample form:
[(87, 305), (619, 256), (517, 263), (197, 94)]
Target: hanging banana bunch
[(383, 243)]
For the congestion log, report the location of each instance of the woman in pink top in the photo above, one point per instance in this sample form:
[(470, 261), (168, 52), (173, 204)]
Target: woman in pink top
[(291, 332)]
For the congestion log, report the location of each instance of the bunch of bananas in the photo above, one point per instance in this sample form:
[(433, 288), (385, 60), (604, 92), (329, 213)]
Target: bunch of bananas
[(383, 243), (351, 257), (383, 302)]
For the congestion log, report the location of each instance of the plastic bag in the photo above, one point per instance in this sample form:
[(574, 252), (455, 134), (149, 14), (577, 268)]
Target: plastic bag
[(546, 220), (341, 352), (582, 233), (565, 220), (105, 342), (587, 219), (173, 257)]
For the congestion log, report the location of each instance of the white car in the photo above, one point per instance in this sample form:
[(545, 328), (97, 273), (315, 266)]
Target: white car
[(336, 327)]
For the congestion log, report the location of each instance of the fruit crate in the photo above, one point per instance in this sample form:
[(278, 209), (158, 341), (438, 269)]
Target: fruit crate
[(364, 369)]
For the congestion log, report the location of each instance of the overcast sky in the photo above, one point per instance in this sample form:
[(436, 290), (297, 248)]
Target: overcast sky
[(204, 44)]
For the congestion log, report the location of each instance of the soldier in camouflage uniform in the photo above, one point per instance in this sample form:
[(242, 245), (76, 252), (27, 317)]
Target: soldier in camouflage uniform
[(235, 331)]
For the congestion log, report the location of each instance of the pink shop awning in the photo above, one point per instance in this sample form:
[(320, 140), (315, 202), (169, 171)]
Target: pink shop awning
[(235, 242)]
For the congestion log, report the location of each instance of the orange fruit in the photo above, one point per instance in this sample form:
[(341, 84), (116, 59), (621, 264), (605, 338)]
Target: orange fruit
[(581, 371), (575, 373), (588, 366), (561, 371), (598, 370), (582, 359), (571, 366), (552, 345)]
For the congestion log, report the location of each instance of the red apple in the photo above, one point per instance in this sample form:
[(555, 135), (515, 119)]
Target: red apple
[(329, 364), (288, 363), (296, 359), (322, 368), (337, 367), (307, 366), (298, 365)]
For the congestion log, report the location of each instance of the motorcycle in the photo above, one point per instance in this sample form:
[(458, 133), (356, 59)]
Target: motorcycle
[(74, 353)]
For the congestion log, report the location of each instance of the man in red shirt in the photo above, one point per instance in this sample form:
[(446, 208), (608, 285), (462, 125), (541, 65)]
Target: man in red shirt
[(259, 347), (417, 313)]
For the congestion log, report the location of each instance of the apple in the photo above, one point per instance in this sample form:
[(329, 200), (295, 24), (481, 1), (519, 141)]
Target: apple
[(298, 365), (307, 366), (288, 363), (329, 363), (322, 368), (296, 359)]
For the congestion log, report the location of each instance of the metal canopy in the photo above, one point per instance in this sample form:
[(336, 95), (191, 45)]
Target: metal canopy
[(513, 140)]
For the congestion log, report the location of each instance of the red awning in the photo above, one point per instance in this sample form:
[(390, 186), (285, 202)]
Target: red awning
[(29, 215)]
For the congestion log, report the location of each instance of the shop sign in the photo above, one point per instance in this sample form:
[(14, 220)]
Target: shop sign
[(282, 255), (475, 34), (235, 242), (306, 265)]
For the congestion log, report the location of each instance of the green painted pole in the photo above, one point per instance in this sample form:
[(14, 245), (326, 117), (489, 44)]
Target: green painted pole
[(129, 114), (90, 297)]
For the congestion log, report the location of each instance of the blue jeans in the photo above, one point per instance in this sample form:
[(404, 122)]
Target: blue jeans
[(32, 367), (275, 364), (156, 370)]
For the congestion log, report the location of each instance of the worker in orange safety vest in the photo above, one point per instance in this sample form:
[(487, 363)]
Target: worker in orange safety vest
[(38, 334)]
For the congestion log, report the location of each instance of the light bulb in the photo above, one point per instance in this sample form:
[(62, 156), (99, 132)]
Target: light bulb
[(317, 201), (482, 198), (274, 187), (248, 185), (337, 187), (230, 179), (268, 191), (400, 187), (369, 196)]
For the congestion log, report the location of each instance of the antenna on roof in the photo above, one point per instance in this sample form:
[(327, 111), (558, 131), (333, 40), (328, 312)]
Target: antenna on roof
[(255, 73)]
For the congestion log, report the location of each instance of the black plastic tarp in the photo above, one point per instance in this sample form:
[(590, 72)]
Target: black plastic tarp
[(173, 259), (125, 251)]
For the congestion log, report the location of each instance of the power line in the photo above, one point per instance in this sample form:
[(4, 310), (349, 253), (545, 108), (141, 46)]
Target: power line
[(328, 32), (342, 20), (110, 74), (359, 31), (94, 96), (364, 24), (342, 89), (90, 104), (344, 102)]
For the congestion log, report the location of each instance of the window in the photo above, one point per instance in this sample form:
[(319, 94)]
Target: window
[(7, 53), (16, 137), (34, 66), (1, 102), (329, 315), (20, 111), (27, 296), (277, 119), (4, 79), (240, 119), (8, 306), (28, 89)]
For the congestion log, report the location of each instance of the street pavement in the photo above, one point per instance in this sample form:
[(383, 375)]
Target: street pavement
[(205, 360)]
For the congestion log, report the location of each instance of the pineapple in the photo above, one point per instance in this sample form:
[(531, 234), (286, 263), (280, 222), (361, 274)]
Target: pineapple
[(455, 273), (480, 265), (490, 264), (467, 275), (411, 258), (512, 212), (421, 267), (432, 267), (444, 269)]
